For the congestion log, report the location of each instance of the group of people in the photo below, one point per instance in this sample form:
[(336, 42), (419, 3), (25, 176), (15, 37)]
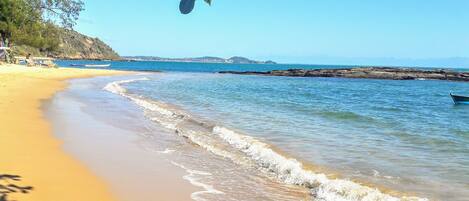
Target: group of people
[(28, 60)]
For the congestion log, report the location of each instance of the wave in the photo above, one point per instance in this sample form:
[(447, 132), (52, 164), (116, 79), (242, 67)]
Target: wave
[(115, 87), (246, 150), (192, 178)]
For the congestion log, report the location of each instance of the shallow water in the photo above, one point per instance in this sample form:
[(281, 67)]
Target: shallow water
[(405, 136), (319, 138), (142, 160)]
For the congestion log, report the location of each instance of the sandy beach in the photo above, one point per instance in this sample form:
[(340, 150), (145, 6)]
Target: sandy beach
[(30, 157)]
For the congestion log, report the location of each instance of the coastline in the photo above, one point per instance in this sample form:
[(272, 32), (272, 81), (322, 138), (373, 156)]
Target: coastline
[(29, 150), (116, 142), (135, 146), (263, 156), (142, 160)]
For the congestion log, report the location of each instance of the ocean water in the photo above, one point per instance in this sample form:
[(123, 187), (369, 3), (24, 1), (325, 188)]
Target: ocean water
[(203, 67), (339, 139), (191, 67)]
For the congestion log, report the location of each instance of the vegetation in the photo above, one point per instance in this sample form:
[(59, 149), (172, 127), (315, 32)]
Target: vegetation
[(8, 186), (35, 23), (44, 28), (72, 45)]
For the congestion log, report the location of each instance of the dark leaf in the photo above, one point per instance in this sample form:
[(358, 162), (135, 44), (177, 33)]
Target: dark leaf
[(186, 6)]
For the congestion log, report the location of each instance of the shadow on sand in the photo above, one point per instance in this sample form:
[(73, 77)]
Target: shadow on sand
[(8, 187)]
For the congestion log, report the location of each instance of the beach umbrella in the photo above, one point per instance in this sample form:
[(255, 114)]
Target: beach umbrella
[(186, 6)]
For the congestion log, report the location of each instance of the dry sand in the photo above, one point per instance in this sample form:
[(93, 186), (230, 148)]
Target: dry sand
[(27, 147)]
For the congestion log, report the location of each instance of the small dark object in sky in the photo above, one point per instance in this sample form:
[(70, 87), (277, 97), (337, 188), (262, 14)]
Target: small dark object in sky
[(186, 6)]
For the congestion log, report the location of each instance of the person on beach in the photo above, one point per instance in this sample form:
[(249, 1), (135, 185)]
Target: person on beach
[(29, 60)]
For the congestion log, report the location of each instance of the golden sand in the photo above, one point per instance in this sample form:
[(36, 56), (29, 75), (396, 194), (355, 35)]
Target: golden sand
[(27, 147)]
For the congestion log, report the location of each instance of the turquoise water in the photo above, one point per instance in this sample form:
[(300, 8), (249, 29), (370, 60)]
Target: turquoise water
[(403, 136), (203, 67)]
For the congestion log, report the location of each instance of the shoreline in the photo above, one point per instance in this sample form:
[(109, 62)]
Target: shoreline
[(30, 156), (113, 140), (122, 159), (164, 158), (288, 169)]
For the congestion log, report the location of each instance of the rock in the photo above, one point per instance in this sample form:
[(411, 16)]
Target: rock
[(387, 73)]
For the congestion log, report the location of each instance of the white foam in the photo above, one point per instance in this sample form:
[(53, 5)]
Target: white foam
[(376, 173), (287, 170), (192, 178), (115, 87), (291, 171), (167, 151)]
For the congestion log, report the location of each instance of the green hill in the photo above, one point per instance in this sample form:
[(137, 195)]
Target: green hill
[(73, 45)]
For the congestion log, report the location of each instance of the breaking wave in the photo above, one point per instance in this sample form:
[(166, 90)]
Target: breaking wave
[(246, 150)]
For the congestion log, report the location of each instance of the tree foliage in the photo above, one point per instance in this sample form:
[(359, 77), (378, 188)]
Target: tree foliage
[(34, 22), (64, 12)]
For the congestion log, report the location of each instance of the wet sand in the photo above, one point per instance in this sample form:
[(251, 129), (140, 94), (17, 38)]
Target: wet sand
[(141, 160), (60, 149), (109, 139), (30, 156)]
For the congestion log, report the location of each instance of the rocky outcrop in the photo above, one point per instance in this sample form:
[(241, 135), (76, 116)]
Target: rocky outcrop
[(368, 72), (73, 45), (78, 46)]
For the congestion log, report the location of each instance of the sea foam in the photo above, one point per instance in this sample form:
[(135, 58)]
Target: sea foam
[(194, 180), (287, 170)]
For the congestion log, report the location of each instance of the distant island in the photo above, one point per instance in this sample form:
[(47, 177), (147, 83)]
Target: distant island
[(206, 59)]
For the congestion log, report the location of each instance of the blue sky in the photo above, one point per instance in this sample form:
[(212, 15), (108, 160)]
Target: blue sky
[(386, 32)]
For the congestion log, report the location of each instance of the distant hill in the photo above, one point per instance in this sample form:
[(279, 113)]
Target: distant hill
[(73, 45), (206, 59)]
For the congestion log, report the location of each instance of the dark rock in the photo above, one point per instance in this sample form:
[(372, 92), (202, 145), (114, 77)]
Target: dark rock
[(388, 73)]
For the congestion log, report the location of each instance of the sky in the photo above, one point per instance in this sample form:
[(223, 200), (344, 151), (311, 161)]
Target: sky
[(369, 32)]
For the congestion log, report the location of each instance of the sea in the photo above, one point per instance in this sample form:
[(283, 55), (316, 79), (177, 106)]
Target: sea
[(256, 137)]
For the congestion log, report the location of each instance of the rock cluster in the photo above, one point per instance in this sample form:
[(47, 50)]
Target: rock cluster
[(388, 73)]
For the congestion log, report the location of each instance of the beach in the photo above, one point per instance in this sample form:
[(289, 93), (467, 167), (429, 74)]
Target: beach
[(234, 100), (30, 156), (113, 135), (142, 160), (284, 138)]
